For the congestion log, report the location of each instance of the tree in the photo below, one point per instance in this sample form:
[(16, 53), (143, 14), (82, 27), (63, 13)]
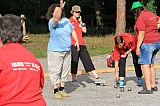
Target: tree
[(121, 17), (151, 5), (99, 27)]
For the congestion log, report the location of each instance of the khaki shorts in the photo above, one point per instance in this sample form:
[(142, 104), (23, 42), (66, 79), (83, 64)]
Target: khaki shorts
[(58, 66)]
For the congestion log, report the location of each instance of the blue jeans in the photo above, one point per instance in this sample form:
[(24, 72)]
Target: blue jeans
[(148, 52)]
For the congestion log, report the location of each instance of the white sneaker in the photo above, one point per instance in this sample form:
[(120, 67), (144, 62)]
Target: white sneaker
[(99, 80)]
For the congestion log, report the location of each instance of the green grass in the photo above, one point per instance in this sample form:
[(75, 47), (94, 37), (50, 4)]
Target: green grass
[(99, 45), (38, 43), (99, 51)]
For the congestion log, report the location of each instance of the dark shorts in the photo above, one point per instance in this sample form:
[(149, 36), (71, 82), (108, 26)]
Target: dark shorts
[(84, 56)]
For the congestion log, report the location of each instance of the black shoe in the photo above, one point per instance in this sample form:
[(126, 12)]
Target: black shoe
[(154, 88), (145, 92)]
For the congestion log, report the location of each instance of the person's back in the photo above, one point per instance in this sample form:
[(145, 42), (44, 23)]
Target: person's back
[(147, 21), (21, 76)]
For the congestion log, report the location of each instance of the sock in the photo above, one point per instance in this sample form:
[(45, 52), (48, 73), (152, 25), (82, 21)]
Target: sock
[(98, 78), (61, 88), (55, 90)]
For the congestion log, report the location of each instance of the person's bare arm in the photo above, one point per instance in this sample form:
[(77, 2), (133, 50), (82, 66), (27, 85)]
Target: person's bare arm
[(84, 29), (59, 13), (158, 23), (74, 35), (128, 51), (116, 71), (139, 42), (124, 55)]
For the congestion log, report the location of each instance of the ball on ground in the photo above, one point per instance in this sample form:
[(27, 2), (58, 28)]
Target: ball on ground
[(129, 88), (118, 96), (115, 86), (122, 89)]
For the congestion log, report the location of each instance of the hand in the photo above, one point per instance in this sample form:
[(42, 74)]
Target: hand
[(158, 26), (116, 77), (76, 44), (80, 19), (62, 4), (124, 55), (138, 51)]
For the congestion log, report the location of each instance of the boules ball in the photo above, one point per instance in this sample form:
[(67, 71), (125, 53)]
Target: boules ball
[(129, 88), (122, 89), (118, 96), (115, 86)]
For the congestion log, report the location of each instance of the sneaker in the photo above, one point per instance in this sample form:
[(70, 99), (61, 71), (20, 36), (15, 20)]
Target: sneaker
[(75, 83), (57, 95), (140, 82), (99, 80), (154, 88), (145, 92), (63, 93), (121, 84)]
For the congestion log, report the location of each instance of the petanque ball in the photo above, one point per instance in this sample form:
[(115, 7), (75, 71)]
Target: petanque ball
[(129, 88), (118, 96)]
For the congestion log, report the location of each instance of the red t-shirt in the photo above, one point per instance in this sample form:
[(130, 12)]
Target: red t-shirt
[(78, 28), (130, 43), (147, 21), (21, 77)]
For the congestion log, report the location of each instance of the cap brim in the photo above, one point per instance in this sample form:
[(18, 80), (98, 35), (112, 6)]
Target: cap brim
[(137, 7), (73, 11)]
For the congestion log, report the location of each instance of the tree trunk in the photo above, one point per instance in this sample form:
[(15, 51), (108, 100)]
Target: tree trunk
[(121, 17), (99, 26)]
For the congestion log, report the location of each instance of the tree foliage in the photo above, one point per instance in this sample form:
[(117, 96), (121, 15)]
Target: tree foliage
[(35, 11), (150, 5)]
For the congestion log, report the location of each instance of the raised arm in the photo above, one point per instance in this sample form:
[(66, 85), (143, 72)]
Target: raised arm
[(58, 12), (84, 30)]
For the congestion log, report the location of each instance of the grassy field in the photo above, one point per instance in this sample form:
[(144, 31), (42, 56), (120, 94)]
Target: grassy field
[(37, 44)]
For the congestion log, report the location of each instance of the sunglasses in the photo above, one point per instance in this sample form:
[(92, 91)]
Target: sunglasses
[(77, 11)]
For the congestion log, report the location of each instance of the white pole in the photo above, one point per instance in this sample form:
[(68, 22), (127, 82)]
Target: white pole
[(23, 25)]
